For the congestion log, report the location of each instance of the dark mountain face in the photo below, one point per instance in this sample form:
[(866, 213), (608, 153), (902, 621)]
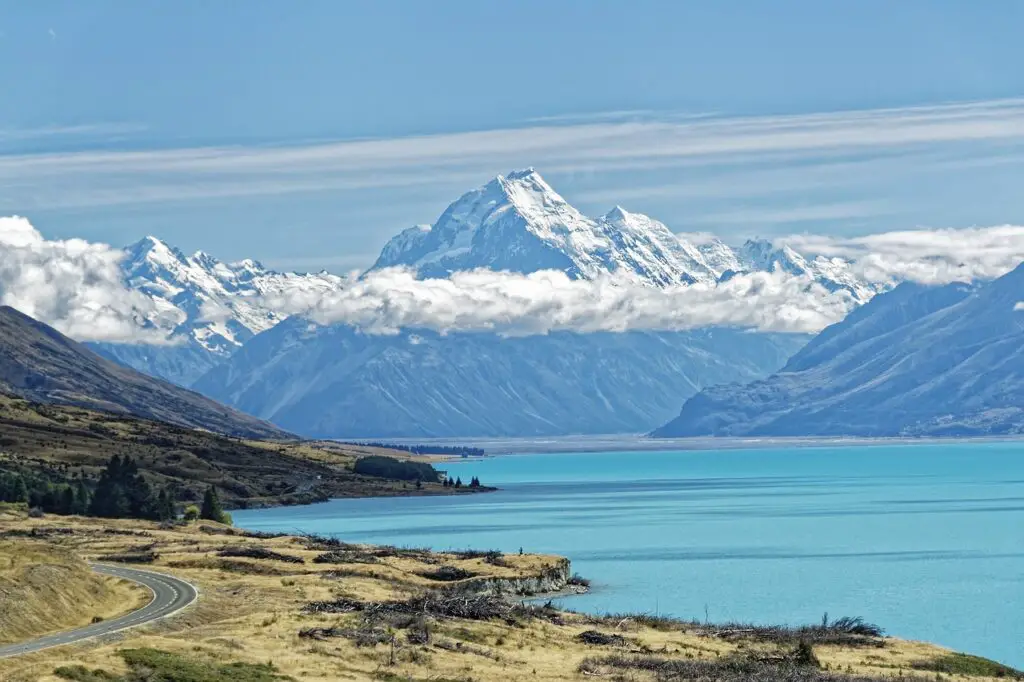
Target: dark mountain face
[(337, 382), (915, 361), (40, 364)]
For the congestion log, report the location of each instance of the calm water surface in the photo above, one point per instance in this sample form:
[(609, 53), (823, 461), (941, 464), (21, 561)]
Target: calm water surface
[(925, 540)]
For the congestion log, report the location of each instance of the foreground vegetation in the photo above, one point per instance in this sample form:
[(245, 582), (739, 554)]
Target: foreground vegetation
[(312, 608), (54, 458)]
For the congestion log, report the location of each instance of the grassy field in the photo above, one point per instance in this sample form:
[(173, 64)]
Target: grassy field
[(62, 441), (302, 608), (45, 588)]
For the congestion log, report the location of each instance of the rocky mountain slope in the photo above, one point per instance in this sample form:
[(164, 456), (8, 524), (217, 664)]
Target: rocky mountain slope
[(40, 364), (914, 361)]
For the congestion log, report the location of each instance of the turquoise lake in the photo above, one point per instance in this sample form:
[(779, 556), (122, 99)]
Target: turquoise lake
[(925, 540)]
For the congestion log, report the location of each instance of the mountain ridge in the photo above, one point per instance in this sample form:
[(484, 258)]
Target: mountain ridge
[(915, 361), (337, 382), (39, 363)]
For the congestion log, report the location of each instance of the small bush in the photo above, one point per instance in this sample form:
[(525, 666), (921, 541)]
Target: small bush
[(965, 664), (191, 513), (79, 673), (595, 637), (35, 513), (448, 574), (131, 557), (577, 580)]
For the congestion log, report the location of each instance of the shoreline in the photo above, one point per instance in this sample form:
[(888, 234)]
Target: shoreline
[(528, 445)]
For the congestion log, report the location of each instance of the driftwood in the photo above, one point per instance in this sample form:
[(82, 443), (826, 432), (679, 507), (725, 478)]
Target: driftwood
[(364, 637), (439, 604), (257, 552), (600, 638)]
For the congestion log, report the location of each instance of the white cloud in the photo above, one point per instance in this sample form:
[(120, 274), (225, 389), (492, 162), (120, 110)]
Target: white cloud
[(76, 286), (928, 256), (513, 304), (73, 285)]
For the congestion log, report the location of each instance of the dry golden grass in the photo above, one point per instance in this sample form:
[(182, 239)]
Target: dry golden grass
[(245, 614), (45, 588)]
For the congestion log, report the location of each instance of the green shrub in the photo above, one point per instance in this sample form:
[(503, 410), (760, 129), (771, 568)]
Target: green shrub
[(163, 666), (965, 664), (388, 467), (79, 673)]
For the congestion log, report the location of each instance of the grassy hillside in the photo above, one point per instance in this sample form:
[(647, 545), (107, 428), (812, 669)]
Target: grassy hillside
[(39, 363), (60, 442), (45, 588)]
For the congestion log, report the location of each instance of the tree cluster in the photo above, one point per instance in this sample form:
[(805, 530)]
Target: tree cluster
[(448, 450), (35, 491), (457, 482), (389, 467), (122, 492)]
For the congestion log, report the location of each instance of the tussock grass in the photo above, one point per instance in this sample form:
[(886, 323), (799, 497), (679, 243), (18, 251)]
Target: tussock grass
[(44, 589), (153, 665), (724, 669)]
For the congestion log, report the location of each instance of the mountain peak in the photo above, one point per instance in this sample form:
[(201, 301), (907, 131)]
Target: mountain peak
[(152, 250), (527, 190), (617, 214), (522, 174)]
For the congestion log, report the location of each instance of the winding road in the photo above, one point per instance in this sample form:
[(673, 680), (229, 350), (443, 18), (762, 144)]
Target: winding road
[(170, 595)]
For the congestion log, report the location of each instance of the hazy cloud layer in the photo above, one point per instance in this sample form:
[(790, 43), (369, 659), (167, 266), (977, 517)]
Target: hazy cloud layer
[(73, 285), (604, 143), (927, 256)]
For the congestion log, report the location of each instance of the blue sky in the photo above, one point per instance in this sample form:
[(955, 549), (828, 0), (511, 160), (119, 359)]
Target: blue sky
[(306, 134)]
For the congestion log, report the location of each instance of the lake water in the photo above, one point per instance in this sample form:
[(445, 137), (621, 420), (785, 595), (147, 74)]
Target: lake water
[(925, 540)]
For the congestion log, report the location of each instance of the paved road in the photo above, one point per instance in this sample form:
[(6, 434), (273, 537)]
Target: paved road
[(169, 596)]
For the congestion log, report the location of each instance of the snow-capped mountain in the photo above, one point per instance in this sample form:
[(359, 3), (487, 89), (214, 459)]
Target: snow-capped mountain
[(519, 223), (209, 307), (832, 273), (334, 381)]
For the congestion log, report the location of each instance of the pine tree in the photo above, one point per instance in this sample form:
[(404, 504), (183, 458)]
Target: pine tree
[(165, 506), (19, 491), (458, 482), (81, 498), (67, 501), (211, 508)]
